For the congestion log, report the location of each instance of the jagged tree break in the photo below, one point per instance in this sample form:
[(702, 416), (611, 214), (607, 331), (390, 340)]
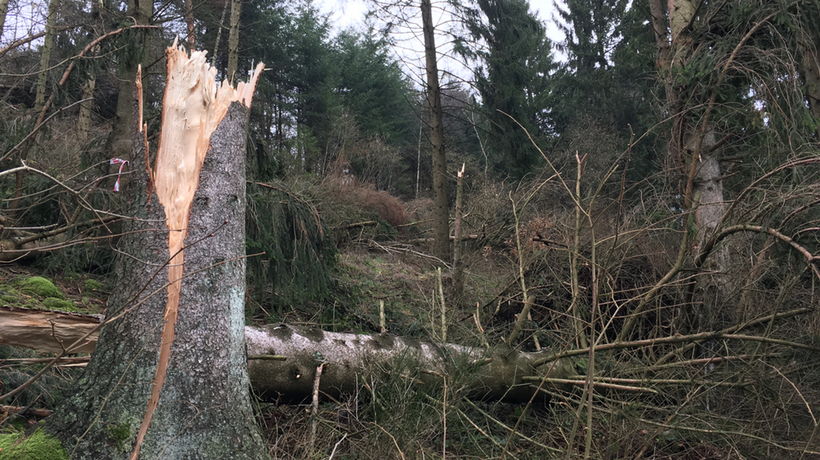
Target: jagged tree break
[(168, 378), (193, 107)]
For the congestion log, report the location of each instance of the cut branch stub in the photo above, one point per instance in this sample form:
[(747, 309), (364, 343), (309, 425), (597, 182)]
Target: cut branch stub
[(193, 107)]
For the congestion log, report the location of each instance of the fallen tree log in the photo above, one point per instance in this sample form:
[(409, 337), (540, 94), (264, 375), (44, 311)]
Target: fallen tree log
[(353, 358), (282, 359), (46, 331)]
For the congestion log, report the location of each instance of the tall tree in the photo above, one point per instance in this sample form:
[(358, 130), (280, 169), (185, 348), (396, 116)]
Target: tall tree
[(807, 42), (373, 88), (601, 95), (590, 28), (441, 211), (514, 65), (584, 83), (692, 140), (45, 55)]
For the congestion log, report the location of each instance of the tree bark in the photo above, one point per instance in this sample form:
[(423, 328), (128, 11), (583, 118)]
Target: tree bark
[(204, 409), (189, 20), (809, 66), (4, 8), (283, 358), (691, 155), (45, 55), (355, 358), (84, 116), (458, 267), (441, 213), (119, 143), (233, 39)]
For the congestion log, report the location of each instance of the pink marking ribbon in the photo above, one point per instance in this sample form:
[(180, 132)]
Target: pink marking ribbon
[(122, 163)]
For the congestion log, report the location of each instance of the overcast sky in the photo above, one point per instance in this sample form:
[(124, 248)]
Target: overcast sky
[(347, 13)]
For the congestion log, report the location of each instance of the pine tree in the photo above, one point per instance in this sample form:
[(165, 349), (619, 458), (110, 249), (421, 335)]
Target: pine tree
[(511, 78)]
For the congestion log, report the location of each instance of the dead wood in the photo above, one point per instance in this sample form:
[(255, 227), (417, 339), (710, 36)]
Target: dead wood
[(46, 331), (349, 359)]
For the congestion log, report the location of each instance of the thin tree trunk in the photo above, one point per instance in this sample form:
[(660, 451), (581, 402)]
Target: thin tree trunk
[(45, 55), (4, 8), (84, 116), (441, 213), (458, 266), (119, 143), (810, 70), (418, 165), (203, 409), (189, 20), (219, 33), (233, 39), (40, 97)]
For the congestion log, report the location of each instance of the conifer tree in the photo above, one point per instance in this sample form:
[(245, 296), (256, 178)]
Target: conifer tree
[(511, 77)]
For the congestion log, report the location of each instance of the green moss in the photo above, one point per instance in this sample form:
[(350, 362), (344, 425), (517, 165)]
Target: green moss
[(8, 299), (39, 286), (58, 304), (119, 434), (38, 446), (93, 285)]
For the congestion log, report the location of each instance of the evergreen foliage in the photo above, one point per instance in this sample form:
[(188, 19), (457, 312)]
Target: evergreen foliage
[(299, 251), (318, 83), (511, 76), (605, 85)]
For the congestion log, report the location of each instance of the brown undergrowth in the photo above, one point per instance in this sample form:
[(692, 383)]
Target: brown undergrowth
[(666, 392)]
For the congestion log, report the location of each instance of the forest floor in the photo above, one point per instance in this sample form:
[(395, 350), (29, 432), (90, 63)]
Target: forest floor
[(385, 419)]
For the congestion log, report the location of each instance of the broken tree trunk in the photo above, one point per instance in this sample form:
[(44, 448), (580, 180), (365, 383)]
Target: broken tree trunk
[(177, 345), (283, 358)]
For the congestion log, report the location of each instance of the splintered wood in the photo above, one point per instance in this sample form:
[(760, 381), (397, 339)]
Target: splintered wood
[(46, 331), (192, 108)]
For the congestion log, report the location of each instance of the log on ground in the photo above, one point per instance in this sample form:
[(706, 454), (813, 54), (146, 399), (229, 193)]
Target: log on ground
[(283, 358)]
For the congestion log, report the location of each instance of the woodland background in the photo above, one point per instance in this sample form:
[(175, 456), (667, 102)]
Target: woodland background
[(648, 186)]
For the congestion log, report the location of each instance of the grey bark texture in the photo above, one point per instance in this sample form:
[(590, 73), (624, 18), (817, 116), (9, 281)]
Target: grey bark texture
[(204, 408), (119, 140), (233, 40), (283, 358), (707, 187), (45, 55), (809, 66), (441, 212), (355, 358), (4, 8)]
